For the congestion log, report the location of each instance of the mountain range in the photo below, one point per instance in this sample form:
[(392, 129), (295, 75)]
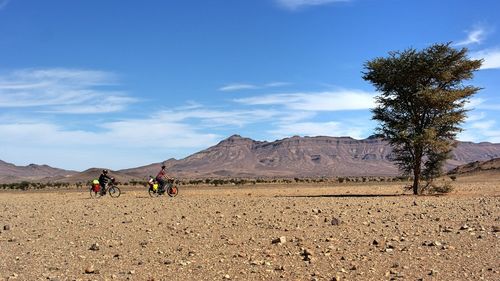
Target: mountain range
[(242, 157)]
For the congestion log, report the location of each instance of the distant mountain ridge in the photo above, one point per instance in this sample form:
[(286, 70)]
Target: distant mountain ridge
[(32, 172), (242, 157), (319, 156)]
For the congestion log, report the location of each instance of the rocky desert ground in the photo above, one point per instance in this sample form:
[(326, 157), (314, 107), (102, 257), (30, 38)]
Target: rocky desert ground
[(293, 232)]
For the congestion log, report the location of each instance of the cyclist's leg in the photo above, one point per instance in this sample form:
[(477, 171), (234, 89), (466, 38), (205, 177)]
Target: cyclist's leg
[(161, 186), (103, 188)]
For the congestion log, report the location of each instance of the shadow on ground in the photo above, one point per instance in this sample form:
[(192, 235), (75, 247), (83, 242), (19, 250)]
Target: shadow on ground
[(343, 195)]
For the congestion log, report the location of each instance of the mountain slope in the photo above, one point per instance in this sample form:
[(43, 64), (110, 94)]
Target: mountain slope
[(302, 157), (477, 166), (12, 173)]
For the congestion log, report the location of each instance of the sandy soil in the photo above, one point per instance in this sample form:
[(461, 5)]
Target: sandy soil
[(349, 232)]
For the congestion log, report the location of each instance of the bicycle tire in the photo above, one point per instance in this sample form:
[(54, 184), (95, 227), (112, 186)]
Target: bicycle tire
[(172, 190), (94, 194), (114, 191), (153, 193)]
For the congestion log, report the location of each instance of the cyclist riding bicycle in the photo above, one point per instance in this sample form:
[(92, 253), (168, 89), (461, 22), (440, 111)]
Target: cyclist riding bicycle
[(162, 178), (103, 181)]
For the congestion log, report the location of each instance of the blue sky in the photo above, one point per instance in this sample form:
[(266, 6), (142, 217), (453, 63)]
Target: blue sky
[(120, 84)]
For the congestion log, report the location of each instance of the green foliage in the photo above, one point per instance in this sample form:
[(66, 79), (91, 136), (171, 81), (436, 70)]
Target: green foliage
[(421, 105)]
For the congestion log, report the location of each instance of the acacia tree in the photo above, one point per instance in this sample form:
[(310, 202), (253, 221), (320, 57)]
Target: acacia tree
[(421, 105)]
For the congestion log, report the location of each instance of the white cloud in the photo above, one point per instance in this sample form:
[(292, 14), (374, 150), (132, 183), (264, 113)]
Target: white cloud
[(319, 101), (237, 87), (475, 117), (479, 128), (474, 36), (276, 84), (243, 86), (481, 104), (121, 144), (219, 118), (297, 4), (474, 103), (62, 90), (332, 128), (491, 58)]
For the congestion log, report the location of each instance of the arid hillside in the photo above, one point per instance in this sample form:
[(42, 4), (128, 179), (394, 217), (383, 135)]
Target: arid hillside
[(475, 167), (32, 172), (302, 157)]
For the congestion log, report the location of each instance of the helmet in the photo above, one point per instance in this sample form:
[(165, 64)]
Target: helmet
[(104, 171), (163, 166)]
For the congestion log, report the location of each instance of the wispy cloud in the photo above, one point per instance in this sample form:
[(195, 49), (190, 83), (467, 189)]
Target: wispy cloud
[(333, 128), (474, 36), (237, 87), (62, 90), (245, 86), (297, 4), (316, 101), (481, 129), (276, 84), (491, 58), (210, 118)]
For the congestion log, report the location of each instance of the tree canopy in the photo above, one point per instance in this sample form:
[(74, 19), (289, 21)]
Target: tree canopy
[(421, 105)]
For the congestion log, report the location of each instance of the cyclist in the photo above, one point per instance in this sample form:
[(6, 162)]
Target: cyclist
[(103, 181), (162, 178)]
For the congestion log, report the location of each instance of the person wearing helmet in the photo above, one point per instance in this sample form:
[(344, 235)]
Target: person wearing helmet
[(162, 178), (103, 180)]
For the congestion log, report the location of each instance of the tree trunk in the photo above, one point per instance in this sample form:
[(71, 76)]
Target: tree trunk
[(416, 176)]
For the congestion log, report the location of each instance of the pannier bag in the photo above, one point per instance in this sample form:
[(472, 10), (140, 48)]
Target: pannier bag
[(95, 186)]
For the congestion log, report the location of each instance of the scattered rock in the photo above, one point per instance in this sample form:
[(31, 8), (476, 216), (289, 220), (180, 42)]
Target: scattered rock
[(6, 227), (335, 221), (279, 240), (94, 247), (306, 254), (316, 211), (89, 269)]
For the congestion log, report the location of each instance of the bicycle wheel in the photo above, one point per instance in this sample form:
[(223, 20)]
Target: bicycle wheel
[(172, 190), (153, 193), (94, 194), (114, 192)]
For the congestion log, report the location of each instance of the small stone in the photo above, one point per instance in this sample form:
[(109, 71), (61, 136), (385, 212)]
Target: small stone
[(90, 269), (279, 240), (496, 228), (6, 227), (131, 272), (227, 277), (94, 247), (335, 221)]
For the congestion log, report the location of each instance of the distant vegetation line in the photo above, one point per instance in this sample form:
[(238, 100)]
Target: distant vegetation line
[(26, 185)]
